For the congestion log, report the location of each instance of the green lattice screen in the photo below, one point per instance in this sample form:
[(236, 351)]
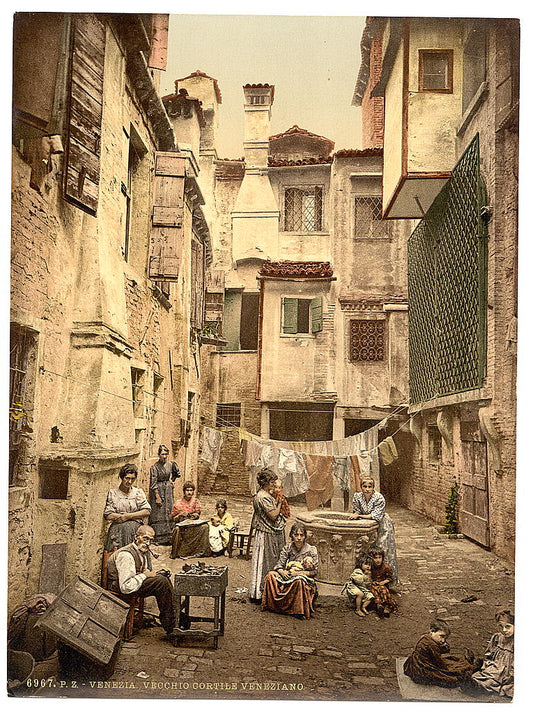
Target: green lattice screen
[(447, 268)]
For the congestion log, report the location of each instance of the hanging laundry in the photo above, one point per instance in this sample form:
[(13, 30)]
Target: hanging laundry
[(210, 447), (292, 471), (341, 474), (320, 472), (355, 473), (387, 451)]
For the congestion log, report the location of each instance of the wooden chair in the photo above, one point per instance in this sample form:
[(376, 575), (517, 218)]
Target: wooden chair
[(240, 540), (134, 620)]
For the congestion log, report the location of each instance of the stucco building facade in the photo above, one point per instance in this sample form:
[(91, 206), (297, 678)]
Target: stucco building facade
[(109, 249), (305, 276)]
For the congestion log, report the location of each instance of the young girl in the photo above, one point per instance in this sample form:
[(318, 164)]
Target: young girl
[(382, 576), (357, 588), (496, 674)]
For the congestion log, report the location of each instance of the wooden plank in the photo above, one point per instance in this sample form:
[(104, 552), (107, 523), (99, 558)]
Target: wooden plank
[(165, 215), (52, 577), (79, 156), (169, 164)]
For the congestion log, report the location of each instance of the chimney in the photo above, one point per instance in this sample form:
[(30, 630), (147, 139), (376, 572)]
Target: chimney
[(255, 215), (206, 90)]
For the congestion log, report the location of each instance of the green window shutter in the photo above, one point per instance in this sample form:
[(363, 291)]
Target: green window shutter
[(316, 315), (290, 315)]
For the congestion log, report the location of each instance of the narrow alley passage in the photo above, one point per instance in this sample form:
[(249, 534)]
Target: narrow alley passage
[(333, 656)]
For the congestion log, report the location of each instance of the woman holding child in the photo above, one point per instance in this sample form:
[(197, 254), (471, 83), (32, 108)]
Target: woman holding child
[(369, 504), (268, 522), (290, 587)]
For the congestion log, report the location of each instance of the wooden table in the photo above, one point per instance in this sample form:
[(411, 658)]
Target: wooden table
[(187, 585)]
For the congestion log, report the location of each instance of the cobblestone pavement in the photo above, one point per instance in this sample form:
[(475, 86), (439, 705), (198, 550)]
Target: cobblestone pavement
[(334, 656)]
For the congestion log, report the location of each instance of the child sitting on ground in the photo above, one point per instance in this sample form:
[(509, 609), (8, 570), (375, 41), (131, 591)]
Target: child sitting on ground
[(357, 588), (431, 664), (496, 674), (218, 536), (382, 576)]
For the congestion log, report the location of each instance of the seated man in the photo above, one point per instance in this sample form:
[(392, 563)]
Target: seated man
[(129, 573)]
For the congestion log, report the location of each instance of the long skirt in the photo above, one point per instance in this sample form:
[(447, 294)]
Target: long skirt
[(383, 597), (190, 540), (159, 517), (296, 597), (121, 534), (387, 541), (265, 554)]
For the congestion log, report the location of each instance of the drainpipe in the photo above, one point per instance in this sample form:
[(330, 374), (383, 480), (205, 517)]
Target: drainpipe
[(260, 336)]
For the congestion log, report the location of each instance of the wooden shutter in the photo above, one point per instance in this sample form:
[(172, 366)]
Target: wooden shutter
[(166, 237), (290, 315), (197, 284), (84, 127), (316, 315)]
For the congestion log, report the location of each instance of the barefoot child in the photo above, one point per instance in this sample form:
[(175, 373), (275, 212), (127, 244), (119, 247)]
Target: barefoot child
[(431, 664), (357, 588), (382, 576), (496, 674)]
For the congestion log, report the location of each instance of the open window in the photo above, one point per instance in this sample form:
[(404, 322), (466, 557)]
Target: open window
[(241, 320), (301, 315)]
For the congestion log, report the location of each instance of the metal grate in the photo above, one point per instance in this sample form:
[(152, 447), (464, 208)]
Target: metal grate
[(367, 340), (228, 415), (22, 350), (303, 209), (368, 222), (447, 287)]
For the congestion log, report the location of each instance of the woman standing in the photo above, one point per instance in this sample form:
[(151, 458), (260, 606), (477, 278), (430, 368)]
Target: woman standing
[(269, 526), (290, 587), (370, 505), (125, 508), (163, 473)]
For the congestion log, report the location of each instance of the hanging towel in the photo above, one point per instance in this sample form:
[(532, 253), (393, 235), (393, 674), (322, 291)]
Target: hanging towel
[(355, 473), (320, 472), (387, 451), (210, 447)]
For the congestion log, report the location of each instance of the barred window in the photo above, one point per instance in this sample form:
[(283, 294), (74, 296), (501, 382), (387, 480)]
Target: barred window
[(23, 348), (368, 222), (367, 340), (228, 415), (303, 209), (137, 394)]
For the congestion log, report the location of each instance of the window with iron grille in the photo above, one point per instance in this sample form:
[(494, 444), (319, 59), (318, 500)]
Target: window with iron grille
[(22, 352), (137, 393), (228, 415), (367, 340), (303, 209), (367, 218), (435, 71)]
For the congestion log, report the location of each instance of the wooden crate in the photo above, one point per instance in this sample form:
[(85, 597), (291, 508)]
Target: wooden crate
[(88, 619)]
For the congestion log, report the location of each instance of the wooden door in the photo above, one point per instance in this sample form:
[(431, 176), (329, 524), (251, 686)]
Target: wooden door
[(474, 507)]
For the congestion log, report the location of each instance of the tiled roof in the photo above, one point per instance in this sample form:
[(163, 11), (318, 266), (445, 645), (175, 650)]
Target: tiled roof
[(181, 96), (199, 73), (311, 161), (372, 151), (290, 268), (297, 131)]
